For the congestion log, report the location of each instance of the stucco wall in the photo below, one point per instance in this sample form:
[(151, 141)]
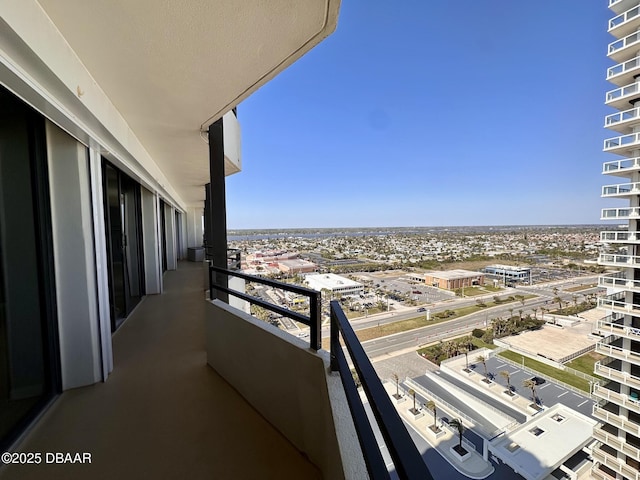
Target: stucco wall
[(289, 385)]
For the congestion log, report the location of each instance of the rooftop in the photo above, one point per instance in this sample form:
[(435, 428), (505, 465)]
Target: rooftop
[(453, 274)]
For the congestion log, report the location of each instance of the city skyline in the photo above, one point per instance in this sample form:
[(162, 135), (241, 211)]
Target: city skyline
[(425, 116)]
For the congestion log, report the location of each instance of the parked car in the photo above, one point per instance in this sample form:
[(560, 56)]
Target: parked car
[(422, 309), (538, 380)]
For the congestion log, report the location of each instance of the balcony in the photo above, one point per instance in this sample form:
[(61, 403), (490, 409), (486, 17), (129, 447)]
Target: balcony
[(624, 121), (620, 97), (617, 303), (618, 398), (625, 23), (617, 443), (609, 326), (605, 347), (622, 73), (621, 168), (625, 48), (620, 282), (621, 190), (620, 6), (601, 413), (163, 403), (615, 464), (614, 260), (620, 213), (624, 237), (604, 369)]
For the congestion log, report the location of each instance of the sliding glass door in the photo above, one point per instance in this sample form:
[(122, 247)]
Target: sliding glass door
[(124, 243), (29, 360)]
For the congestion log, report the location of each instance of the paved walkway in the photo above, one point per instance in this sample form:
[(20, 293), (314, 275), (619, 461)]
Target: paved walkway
[(473, 467)]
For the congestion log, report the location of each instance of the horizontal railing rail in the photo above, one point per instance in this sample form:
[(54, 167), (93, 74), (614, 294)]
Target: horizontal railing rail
[(621, 165), (407, 460), (313, 320)]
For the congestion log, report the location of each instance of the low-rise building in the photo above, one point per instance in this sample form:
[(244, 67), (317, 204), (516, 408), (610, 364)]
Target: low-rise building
[(509, 274), (297, 265), (335, 283), (453, 279)]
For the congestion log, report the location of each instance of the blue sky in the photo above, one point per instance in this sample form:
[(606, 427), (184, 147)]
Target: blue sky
[(425, 113)]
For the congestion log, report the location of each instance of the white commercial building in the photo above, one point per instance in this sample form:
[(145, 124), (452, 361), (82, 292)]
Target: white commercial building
[(335, 283), (617, 453)]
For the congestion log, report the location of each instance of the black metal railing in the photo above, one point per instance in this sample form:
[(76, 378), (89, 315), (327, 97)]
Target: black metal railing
[(233, 256), (313, 320), (407, 460)]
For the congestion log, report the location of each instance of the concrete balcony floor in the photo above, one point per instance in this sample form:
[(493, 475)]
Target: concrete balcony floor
[(163, 413)]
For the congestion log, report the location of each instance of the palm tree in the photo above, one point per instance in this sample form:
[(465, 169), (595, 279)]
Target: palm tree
[(397, 380), (558, 300), (482, 359), (457, 424), (412, 392), (507, 376), (431, 405), (529, 383)]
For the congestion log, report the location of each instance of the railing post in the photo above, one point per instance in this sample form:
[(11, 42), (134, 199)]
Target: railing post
[(315, 317), (334, 344), (210, 280)]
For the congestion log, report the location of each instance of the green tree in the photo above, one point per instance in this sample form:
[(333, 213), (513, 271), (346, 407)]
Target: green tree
[(412, 392), (507, 376), (530, 384), (482, 359), (397, 380), (457, 424), (431, 405)]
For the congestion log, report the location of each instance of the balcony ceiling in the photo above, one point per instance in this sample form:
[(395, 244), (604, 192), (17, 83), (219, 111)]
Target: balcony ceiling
[(171, 68)]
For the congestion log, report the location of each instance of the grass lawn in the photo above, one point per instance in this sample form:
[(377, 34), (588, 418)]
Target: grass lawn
[(473, 291), (580, 287), (478, 342), (585, 363), (548, 370), (492, 289)]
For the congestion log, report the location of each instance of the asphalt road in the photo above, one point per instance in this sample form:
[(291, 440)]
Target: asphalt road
[(481, 319)]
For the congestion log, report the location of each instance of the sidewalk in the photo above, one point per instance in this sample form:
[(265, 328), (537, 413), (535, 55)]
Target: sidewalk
[(473, 466)]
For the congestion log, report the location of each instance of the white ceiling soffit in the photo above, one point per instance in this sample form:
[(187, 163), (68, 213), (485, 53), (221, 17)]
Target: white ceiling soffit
[(172, 67)]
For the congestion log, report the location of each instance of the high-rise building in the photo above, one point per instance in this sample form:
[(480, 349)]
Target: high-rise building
[(617, 451)]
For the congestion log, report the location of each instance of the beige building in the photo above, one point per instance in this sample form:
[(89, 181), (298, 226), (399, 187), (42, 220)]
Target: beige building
[(453, 279), (297, 266)]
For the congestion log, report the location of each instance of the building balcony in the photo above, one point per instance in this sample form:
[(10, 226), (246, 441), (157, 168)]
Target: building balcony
[(620, 97), (601, 413), (616, 352), (621, 190), (614, 260), (604, 369), (622, 73), (615, 464), (625, 401), (625, 23), (621, 6), (619, 281), (613, 326), (624, 121), (621, 168), (623, 237), (164, 402), (616, 442), (616, 303), (625, 48), (620, 213)]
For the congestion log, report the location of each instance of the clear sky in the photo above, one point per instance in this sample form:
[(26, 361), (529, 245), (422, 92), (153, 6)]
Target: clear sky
[(433, 113)]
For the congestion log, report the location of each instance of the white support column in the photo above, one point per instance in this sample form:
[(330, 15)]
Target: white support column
[(170, 235), (102, 275), (79, 326), (194, 229), (150, 234)]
